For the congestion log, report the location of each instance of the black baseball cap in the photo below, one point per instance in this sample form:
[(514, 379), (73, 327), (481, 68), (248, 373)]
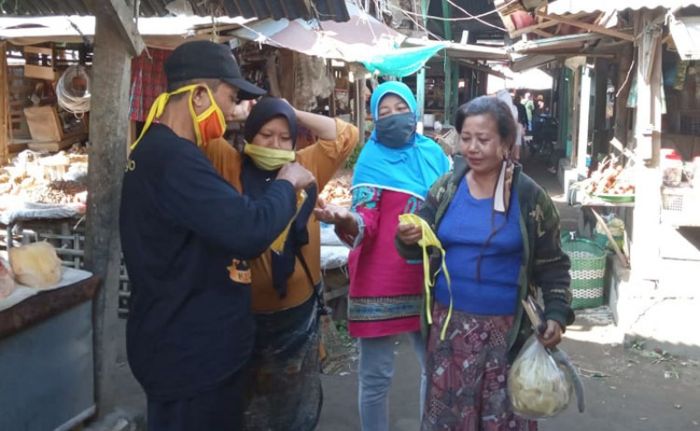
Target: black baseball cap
[(202, 59)]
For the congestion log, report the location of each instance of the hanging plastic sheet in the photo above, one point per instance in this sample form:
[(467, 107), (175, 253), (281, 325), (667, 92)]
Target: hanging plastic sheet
[(403, 61)]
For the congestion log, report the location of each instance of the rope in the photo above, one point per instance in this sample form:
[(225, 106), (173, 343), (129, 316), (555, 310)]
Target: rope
[(72, 99)]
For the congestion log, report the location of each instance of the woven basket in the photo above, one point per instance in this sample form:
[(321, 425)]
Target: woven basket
[(588, 261)]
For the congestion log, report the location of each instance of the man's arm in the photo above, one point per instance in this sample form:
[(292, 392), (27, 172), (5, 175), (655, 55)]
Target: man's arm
[(195, 196)]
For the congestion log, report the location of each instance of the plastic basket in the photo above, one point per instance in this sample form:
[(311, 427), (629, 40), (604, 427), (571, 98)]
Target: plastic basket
[(588, 261)]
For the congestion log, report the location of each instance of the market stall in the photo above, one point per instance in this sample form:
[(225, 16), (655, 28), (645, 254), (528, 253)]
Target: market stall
[(46, 345)]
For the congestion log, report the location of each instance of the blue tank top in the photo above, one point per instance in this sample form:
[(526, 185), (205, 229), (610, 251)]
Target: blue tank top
[(463, 232)]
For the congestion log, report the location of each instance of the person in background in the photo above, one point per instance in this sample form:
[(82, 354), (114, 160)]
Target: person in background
[(529, 109), (507, 98), (500, 232), (392, 176), (285, 387), (522, 113), (540, 107), (190, 329)]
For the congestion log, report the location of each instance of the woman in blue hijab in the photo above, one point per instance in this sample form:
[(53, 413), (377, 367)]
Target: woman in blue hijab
[(392, 176)]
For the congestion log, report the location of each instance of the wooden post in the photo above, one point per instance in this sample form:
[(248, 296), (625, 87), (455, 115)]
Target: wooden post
[(573, 117), (584, 112), (109, 125), (645, 234), (360, 112), (564, 108), (4, 105), (454, 100), (623, 91)]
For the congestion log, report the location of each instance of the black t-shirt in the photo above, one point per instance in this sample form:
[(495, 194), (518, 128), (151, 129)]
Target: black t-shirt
[(522, 113), (190, 326)]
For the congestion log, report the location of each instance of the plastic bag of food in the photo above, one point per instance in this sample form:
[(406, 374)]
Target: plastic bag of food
[(7, 282), (36, 265), (537, 386)]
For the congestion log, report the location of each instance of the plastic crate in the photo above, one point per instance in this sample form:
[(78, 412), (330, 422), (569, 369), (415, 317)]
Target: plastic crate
[(680, 206)]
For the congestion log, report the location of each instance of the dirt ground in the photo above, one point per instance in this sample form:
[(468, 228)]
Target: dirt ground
[(627, 389)]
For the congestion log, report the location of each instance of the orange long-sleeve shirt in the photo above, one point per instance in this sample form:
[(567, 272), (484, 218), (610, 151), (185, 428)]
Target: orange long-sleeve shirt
[(323, 159)]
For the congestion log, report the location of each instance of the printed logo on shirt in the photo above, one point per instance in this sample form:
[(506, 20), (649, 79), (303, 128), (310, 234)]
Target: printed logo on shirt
[(239, 272)]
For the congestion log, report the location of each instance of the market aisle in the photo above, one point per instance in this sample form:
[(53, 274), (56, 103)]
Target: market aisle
[(626, 389)]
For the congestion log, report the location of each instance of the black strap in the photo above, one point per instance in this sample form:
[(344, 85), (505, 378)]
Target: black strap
[(317, 291)]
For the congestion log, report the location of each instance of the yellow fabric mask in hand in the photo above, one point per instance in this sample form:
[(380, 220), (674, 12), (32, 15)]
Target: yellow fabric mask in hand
[(208, 125), (268, 159), (429, 239), (278, 244)]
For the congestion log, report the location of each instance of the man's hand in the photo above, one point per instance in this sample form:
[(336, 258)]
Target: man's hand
[(409, 234), (299, 176), (552, 335)]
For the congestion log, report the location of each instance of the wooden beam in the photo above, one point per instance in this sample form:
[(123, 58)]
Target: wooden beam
[(647, 176), (532, 28), (543, 24), (123, 18), (4, 105), (574, 114), (109, 124), (542, 33), (624, 83), (590, 27)]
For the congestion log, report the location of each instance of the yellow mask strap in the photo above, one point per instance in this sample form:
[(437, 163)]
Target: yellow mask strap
[(162, 100), (214, 107), (277, 245), (429, 239)]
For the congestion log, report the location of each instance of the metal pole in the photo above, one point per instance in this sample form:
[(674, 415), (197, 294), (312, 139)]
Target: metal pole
[(420, 78), (448, 88)]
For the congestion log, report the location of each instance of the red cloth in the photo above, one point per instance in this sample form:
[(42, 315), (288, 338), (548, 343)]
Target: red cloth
[(147, 81)]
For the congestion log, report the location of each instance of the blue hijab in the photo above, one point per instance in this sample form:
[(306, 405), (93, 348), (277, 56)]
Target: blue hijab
[(411, 169)]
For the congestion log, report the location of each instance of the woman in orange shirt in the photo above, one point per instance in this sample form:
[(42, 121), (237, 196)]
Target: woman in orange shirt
[(286, 388)]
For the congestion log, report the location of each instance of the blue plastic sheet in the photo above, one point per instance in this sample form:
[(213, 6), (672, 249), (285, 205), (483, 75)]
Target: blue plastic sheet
[(403, 61)]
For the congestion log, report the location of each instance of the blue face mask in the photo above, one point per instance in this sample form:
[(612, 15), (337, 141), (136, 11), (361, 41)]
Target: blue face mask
[(396, 130)]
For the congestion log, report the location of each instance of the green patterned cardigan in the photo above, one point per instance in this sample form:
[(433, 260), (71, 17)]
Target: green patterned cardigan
[(545, 265)]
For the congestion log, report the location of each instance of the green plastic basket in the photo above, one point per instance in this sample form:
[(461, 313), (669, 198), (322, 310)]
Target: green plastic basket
[(588, 261)]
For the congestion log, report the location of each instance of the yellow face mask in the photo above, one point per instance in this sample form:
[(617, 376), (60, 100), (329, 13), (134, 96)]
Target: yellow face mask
[(208, 125), (277, 245), (429, 239), (268, 159)]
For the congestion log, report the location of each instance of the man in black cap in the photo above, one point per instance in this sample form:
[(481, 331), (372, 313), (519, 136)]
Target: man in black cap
[(190, 328)]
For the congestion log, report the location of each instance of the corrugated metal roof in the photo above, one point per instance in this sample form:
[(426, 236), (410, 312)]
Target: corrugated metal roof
[(563, 7), (335, 10)]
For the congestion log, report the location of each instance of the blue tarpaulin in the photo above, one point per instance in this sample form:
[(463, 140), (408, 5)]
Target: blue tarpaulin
[(403, 61)]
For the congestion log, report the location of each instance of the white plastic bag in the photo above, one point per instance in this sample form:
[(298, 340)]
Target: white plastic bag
[(537, 386)]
